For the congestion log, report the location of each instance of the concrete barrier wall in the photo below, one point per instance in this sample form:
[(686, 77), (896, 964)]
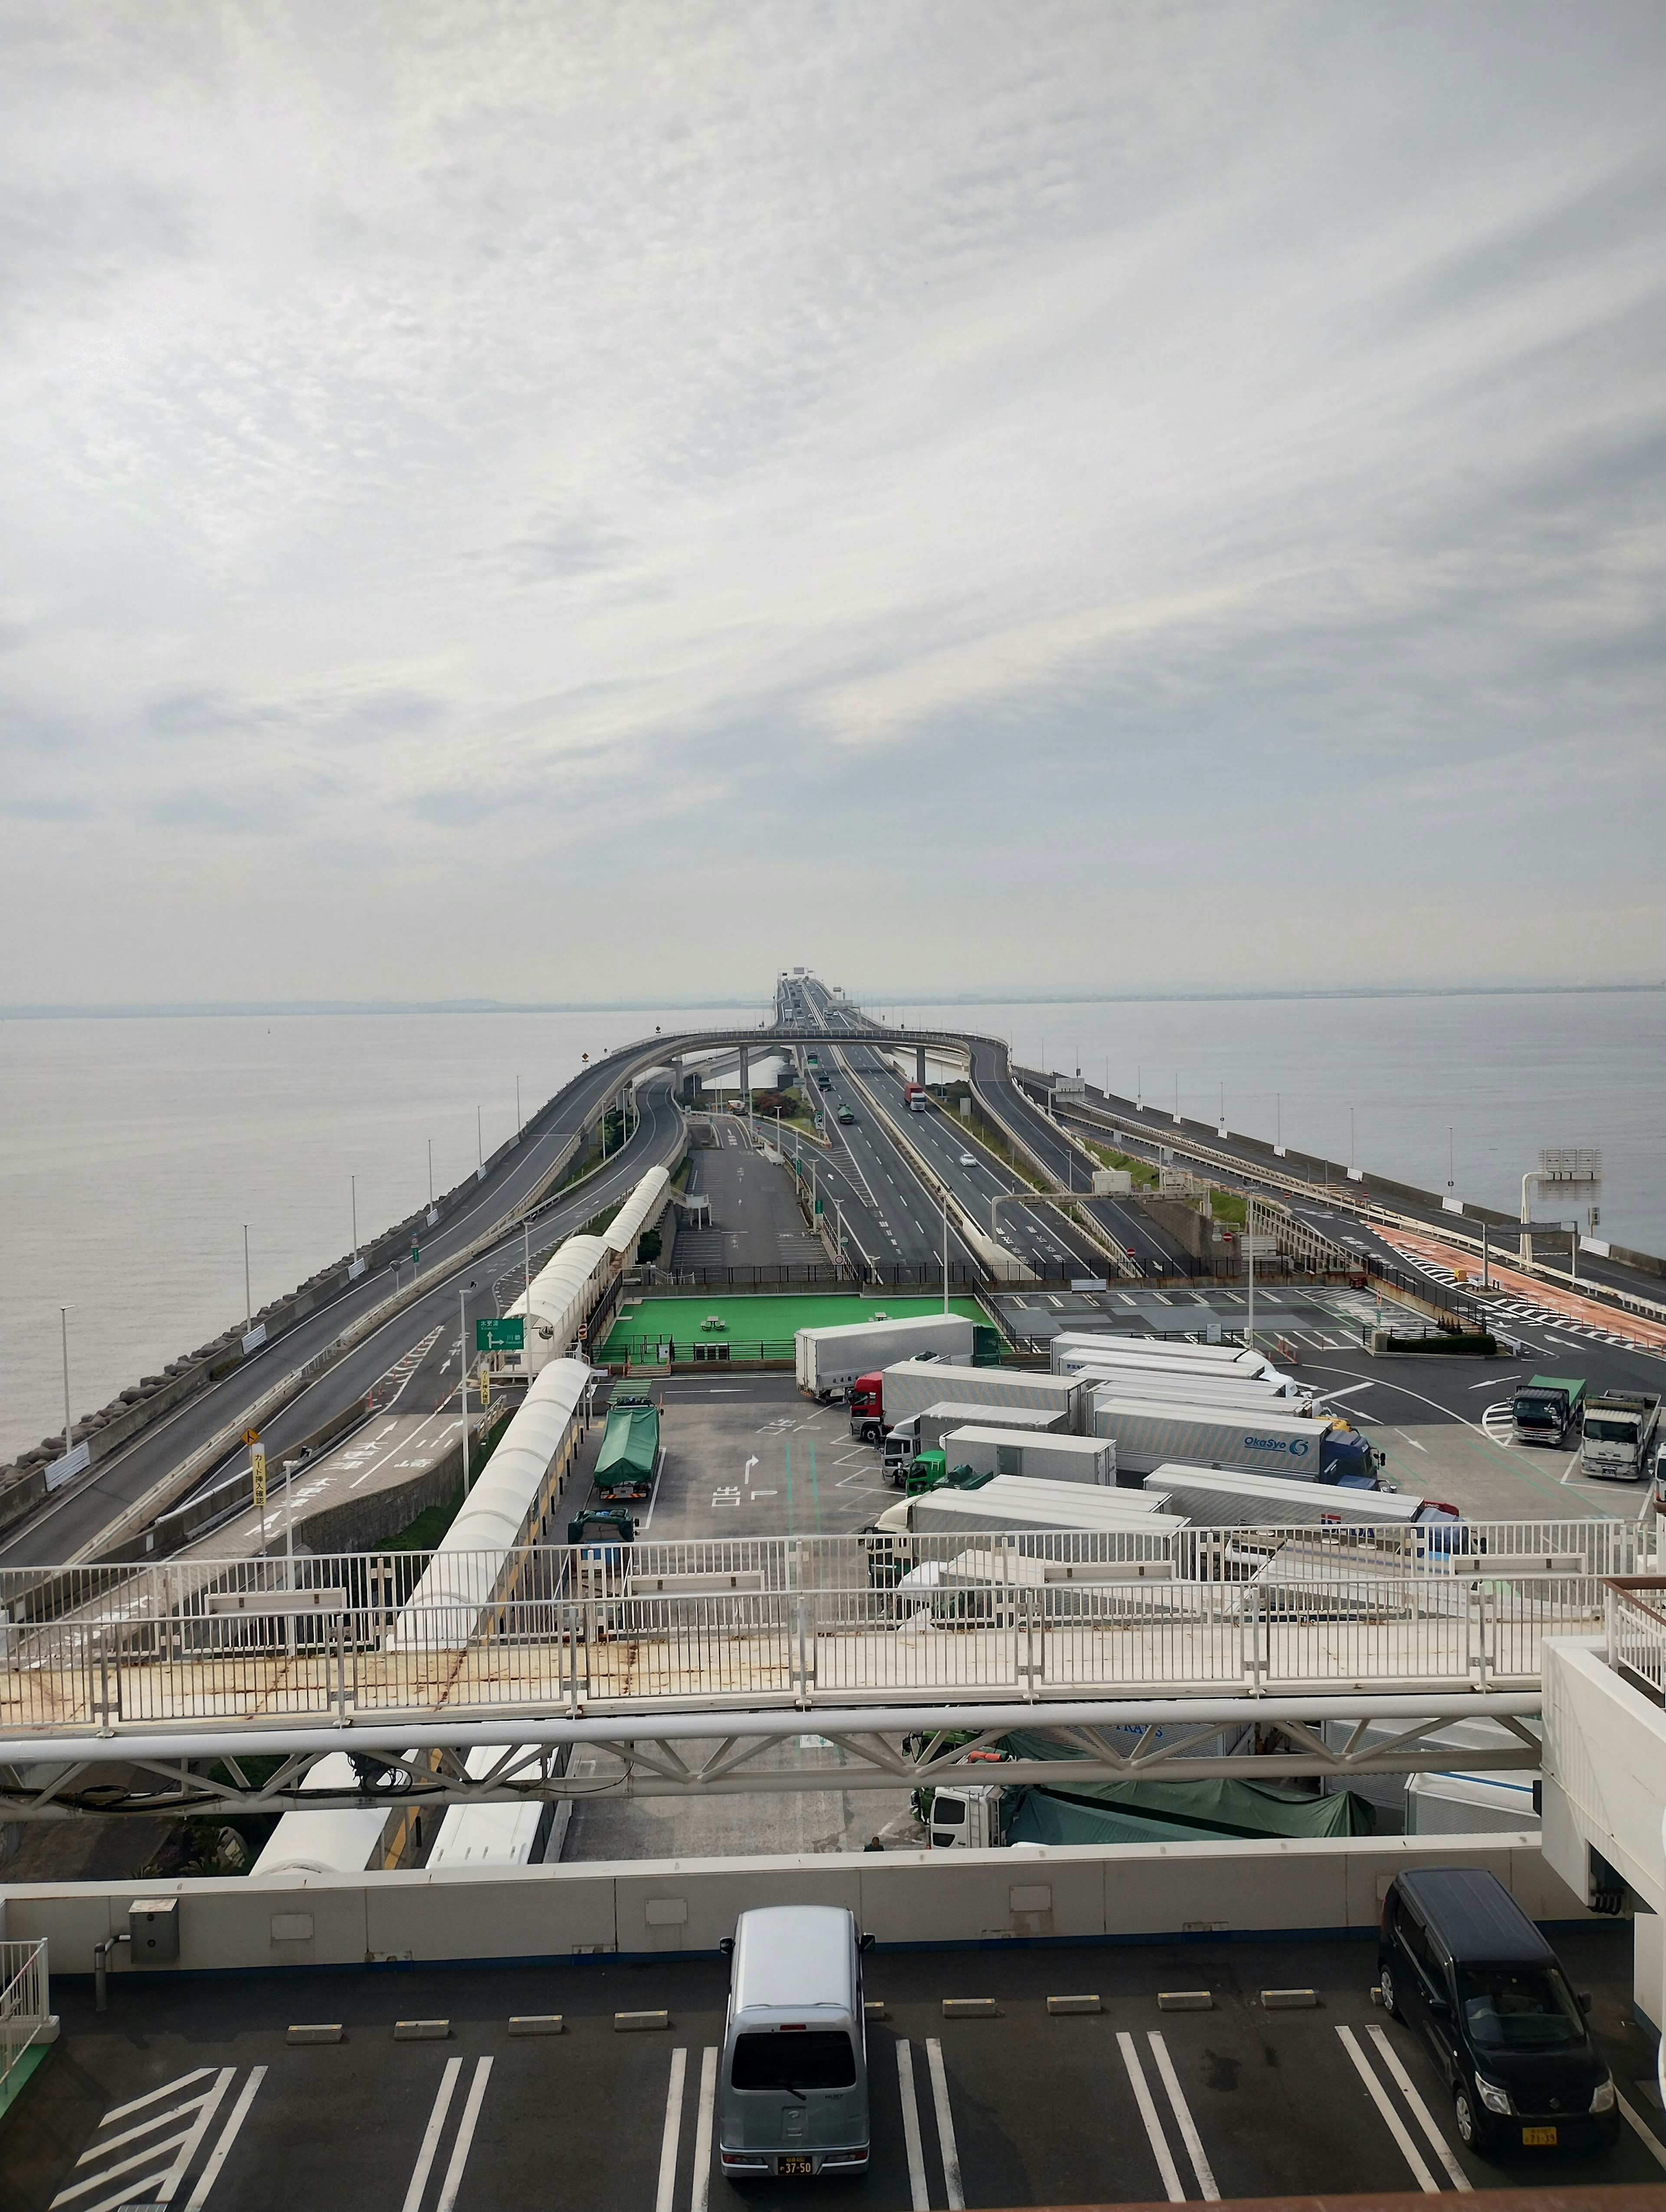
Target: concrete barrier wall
[(1120, 1893)]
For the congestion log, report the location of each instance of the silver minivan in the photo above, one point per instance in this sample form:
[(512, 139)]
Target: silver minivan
[(793, 2094)]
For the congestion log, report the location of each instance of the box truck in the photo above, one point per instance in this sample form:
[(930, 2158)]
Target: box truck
[(989, 1450), (1619, 1431), (924, 1432), (1303, 1448), (1545, 1407), (878, 1401), (1213, 1497), (829, 1359), (1022, 1503)]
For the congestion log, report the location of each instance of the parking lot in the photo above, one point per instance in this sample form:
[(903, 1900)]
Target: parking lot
[(1131, 2102)]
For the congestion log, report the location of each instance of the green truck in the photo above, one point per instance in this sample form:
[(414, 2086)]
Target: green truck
[(630, 1456), (1546, 1407)]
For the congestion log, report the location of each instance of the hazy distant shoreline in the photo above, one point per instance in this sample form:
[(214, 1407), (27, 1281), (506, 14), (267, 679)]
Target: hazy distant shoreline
[(217, 1009)]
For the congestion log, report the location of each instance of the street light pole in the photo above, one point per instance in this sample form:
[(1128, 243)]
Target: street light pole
[(430, 1175), (517, 1106), (479, 1149), (248, 1295), (63, 1330), (353, 1189), (946, 1250), (463, 1376), (1250, 1254)]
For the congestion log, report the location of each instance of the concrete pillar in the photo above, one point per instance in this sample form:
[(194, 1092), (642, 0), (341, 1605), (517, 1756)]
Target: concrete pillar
[(920, 1067), (746, 1080)]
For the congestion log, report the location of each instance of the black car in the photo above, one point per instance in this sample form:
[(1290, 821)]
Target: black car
[(1460, 1962)]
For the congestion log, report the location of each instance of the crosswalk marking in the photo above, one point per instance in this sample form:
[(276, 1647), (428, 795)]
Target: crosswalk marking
[(166, 2159), (228, 2134)]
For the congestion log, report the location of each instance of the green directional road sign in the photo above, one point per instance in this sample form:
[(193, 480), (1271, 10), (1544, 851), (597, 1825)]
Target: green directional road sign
[(506, 1333)]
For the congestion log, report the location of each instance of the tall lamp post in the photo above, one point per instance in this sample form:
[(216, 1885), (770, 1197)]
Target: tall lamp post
[(463, 1376), (63, 1330)]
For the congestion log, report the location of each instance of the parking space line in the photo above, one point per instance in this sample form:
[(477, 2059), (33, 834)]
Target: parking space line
[(460, 2148), (1391, 2120), (430, 2143), (945, 2142), (1182, 2112), (228, 2134), (702, 2130), (919, 2200), (1425, 2119), (673, 2133), (1147, 2104)]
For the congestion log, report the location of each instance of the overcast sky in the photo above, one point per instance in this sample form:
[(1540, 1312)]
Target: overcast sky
[(556, 500)]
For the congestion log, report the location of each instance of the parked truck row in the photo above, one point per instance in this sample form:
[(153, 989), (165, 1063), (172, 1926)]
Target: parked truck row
[(1616, 1433)]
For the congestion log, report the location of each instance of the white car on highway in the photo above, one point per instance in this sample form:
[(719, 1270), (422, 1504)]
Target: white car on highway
[(968, 1160)]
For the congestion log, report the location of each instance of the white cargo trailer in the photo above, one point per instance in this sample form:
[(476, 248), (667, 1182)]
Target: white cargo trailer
[(1165, 1348), (1149, 1354), (1208, 1389), (1017, 1504), (913, 1385), (1150, 1430), (989, 1450), (926, 1431), (1213, 1497), (829, 1359)]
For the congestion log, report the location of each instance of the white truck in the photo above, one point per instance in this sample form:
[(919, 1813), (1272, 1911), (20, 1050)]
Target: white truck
[(1019, 1504), (829, 1360), (912, 1386), (1248, 1371), (1301, 1448), (991, 1451), (1211, 1388), (1211, 1497), (926, 1431), (1620, 1427)]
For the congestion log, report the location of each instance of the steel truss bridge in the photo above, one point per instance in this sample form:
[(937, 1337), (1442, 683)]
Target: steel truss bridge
[(684, 1667)]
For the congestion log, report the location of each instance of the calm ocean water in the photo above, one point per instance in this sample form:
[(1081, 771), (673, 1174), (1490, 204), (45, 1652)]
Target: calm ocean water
[(132, 1152)]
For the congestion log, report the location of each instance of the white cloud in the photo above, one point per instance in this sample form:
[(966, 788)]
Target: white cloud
[(456, 453)]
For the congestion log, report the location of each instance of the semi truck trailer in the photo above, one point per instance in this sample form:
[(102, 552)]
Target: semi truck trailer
[(1022, 1505), (1302, 1449), (1146, 1357), (878, 1401), (1210, 1497), (1211, 1388), (923, 1432), (829, 1359), (1048, 1458), (1070, 1342)]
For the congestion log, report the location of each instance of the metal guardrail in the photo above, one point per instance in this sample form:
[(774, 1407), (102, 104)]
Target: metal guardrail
[(26, 2002), (747, 1621), (1634, 1620)]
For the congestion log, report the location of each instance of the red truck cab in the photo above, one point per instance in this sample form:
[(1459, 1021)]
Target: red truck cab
[(867, 1408), (914, 1097)]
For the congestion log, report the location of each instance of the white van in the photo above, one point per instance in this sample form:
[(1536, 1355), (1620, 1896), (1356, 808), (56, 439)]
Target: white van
[(792, 2092)]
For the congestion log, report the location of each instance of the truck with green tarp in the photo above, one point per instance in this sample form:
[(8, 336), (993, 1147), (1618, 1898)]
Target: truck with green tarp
[(630, 1456)]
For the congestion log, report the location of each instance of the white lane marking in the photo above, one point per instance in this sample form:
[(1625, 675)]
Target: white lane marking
[(1352, 1390), (1182, 2112), (436, 2120), (945, 2142), (671, 2133), (102, 2149), (1391, 2120), (188, 2148), (155, 2096), (702, 2130), (222, 2151), (1147, 2104), (1425, 2118), (918, 2198), (122, 2165), (460, 2148)]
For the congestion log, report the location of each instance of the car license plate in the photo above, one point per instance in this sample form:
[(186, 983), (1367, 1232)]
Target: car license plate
[(803, 2166), (1541, 2138)]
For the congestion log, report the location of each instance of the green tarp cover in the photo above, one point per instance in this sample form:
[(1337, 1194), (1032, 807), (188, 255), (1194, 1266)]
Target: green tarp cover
[(630, 1445), (1213, 1807)]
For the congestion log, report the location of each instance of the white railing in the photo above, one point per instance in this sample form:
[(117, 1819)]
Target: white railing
[(26, 2002), (1635, 1620), (740, 1621)]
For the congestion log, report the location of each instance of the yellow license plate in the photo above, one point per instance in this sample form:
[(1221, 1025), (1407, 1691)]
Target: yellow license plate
[(803, 2166), (1539, 2138)]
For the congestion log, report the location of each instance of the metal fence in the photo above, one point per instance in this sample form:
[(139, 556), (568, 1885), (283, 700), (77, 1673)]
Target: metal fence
[(746, 1621), (1635, 1620), (26, 2002)]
